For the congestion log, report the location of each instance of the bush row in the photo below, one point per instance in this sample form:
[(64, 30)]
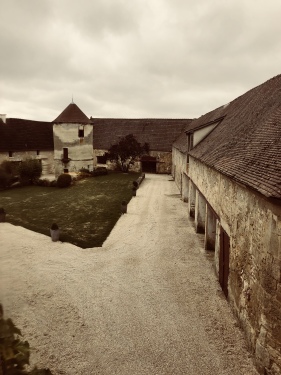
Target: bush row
[(24, 172)]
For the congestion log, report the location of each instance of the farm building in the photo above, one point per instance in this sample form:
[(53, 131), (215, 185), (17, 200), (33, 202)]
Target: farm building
[(73, 141), (227, 165)]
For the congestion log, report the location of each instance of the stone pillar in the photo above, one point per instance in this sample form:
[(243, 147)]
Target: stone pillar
[(191, 200), (210, 233), (185, 187), (217, 245), (200, 212)]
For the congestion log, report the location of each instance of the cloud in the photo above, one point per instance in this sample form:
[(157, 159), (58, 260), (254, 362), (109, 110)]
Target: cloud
[(139, 58)]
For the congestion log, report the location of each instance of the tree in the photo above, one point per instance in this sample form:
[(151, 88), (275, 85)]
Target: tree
[(8, 173), (127, 151), (29, 170)]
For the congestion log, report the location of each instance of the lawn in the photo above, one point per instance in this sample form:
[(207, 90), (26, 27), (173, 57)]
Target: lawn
[(85, 212)]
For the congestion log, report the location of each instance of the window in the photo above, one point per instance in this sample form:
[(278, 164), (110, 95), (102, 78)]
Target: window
[(38, 152), (81, 132), (65, 152), (10, 154)]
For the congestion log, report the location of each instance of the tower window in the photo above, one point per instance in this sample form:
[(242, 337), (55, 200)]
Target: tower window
[(81, 132), (65, 152)]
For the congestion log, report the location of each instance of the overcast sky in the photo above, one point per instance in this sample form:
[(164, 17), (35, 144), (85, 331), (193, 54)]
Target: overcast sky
[(134, 58)]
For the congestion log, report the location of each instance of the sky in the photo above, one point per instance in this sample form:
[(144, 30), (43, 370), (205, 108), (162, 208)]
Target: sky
[(134, 58)]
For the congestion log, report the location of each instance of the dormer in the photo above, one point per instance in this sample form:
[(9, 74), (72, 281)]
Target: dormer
[(196, 135)]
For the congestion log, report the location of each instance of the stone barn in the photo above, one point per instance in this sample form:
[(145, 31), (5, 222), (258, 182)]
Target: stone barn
[(158, 133), (228, 166)]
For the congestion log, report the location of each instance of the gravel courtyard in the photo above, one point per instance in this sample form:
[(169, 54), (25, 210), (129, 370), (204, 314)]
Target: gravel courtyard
[(146, 303)]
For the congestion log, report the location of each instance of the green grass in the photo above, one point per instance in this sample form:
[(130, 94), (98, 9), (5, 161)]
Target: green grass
[(85, 212)]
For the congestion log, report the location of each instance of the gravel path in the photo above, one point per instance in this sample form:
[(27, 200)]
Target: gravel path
[(146, 303)]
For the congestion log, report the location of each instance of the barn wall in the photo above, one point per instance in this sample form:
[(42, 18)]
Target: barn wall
[(254, 227)]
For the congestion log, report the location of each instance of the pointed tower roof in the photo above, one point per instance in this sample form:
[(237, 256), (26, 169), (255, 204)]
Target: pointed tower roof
[(72, 114)]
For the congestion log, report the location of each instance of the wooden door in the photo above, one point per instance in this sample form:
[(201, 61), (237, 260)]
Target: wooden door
[(224, 261)]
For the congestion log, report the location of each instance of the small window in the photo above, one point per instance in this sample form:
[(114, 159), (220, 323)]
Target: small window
[(81, 132), (10, 154), (38, 152), (65, 152), (65, 170)]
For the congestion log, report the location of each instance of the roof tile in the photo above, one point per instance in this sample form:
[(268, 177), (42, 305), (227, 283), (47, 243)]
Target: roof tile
[(246, 145)]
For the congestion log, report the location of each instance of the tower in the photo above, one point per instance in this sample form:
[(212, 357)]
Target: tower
[(73, 141)]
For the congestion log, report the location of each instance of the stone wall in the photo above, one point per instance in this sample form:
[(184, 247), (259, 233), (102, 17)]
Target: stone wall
[(164, 161), (254, 284), (163, 165), (46, 157), (179, 166)]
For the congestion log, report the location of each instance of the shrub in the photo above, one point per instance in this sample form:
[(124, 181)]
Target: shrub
[(99, 171), (135, 184), (8, 171), (83, 173), (64, 180), (46, 182), (5, 179), (30, 170), (10, 167), (84, 170), (14, 352)]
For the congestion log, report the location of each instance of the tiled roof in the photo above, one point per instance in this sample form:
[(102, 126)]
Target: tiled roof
[(246, 145), (72, 114), (181, 142), (20, 135), (159, 133)]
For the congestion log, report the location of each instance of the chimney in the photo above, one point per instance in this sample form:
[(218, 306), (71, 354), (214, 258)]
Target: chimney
[(3, 118)]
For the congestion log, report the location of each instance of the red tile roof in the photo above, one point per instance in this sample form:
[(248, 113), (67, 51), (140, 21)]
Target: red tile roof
[(246, 145), (21, 135), (159, 133), (72, 114)]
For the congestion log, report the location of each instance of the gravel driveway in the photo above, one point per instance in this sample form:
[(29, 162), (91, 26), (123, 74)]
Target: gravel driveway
[(146, 303)]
